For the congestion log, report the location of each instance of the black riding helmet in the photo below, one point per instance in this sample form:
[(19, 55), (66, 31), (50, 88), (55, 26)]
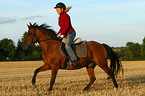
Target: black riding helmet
[(60, 5)]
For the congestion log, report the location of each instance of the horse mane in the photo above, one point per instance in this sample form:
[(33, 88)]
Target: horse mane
[(46, 28)]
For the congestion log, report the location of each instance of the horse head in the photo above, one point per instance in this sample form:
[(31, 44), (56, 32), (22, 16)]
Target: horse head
[(43, 32), (30, 37)]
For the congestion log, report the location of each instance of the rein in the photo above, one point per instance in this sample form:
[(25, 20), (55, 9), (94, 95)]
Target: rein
[(46, 39), (37, 40)]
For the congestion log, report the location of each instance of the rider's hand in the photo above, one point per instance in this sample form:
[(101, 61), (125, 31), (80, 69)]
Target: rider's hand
[(58, 35)]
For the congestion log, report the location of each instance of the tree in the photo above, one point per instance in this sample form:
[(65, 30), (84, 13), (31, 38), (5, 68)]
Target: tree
[(133, 49), (129, 44), (32, 53), (143, 48), (19, 53), (7, 49)]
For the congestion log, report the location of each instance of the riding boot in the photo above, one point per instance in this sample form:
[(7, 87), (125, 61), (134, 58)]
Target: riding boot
[(75, 63)]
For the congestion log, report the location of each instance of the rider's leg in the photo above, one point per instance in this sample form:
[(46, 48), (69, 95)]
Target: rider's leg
[(70, 51)]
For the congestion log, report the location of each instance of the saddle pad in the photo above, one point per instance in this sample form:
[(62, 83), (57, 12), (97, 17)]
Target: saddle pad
[(80, 49)]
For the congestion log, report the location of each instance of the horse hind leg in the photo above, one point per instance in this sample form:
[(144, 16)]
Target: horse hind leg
[(105, 67), (92, 77)]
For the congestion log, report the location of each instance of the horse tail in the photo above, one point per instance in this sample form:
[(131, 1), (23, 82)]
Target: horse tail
[(115, 63)]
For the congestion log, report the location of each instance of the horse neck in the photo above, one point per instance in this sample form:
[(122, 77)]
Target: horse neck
[(47, 45), (42, 35)]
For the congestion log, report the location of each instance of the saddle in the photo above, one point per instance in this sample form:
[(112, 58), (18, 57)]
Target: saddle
[(80, 49)]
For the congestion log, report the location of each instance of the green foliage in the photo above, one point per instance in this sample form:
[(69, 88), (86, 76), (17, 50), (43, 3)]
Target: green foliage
[(132, 51), (32, 53), (7, 49), (143, 48)]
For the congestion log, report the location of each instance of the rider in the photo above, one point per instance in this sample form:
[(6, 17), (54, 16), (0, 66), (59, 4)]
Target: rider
[(67, 30)]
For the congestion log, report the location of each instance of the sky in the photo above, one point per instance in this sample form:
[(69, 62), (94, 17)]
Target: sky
[(114, 22)]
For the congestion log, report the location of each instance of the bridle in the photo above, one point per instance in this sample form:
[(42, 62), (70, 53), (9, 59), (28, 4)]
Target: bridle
[(37, 40)]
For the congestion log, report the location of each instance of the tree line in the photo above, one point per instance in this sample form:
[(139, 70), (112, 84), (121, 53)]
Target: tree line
[(10, 52), (132, 51)]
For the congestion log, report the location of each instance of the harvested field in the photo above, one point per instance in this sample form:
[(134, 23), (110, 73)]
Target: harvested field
[(15, 80)]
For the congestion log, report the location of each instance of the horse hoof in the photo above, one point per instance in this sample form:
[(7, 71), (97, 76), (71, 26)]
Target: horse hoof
[(115, 88), (50, 89), (85, 89), (33, 85)]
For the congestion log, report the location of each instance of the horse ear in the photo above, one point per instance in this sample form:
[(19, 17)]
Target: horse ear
[(28, 26)]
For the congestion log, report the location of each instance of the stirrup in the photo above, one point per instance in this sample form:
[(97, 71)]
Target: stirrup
[(74, 63)]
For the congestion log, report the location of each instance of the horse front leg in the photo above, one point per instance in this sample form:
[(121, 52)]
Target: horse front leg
[(42, 68), (54, 71)]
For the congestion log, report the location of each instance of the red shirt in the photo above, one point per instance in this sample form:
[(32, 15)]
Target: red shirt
[(65, 24)]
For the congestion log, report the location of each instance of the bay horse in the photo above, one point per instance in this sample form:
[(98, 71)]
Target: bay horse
[(54, 60)]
